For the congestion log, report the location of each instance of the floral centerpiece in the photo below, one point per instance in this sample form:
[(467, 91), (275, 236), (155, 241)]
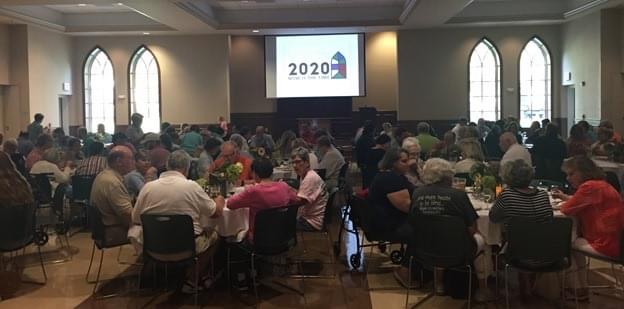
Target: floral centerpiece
[(223, 177), (484, 179)]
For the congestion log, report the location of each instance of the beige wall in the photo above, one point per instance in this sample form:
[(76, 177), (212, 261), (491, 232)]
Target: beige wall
[(4, 54), (433, 69), (49, 62), (581, 61), (612, 87), (248, 83), (382, 78), (16, 97), (194, 75)]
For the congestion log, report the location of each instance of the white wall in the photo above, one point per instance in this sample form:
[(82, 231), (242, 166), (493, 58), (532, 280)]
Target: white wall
[(194, 75), (581, 60), (49, 62), (612, 87), (433, 68), (16, 96), (5, 60)]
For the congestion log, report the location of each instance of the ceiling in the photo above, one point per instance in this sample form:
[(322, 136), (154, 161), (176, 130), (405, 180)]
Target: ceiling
[(106, 17)]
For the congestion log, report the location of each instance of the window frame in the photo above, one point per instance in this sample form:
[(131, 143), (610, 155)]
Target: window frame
[(129, 75), (497, 52), (550, 76), (84, 98)]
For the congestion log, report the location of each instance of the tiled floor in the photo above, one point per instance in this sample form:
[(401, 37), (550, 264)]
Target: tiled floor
[(67, 288)]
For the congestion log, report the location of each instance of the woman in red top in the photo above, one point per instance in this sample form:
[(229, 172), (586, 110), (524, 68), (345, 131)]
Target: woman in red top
[(598, 209)]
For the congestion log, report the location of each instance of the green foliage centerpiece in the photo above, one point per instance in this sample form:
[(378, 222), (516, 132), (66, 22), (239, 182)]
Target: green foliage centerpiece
[(484, 179)]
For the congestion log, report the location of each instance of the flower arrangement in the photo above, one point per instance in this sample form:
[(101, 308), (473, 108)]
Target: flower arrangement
[(484, 178), (229, 172)]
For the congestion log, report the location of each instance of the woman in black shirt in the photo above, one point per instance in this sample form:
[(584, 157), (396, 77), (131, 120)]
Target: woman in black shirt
[(373, 156)]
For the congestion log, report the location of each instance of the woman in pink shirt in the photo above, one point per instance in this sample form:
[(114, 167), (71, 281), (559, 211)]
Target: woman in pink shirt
[(265, 194)]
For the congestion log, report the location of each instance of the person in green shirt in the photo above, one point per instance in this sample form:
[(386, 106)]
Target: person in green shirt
[(425, 139), (192, 141)]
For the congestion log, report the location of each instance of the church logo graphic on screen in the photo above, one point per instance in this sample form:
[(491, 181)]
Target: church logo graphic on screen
[(338, 66)]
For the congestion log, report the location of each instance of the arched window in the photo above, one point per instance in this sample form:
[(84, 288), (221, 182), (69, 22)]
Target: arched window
[(145, 88), (535, 82), (99, 91), (484, 73)]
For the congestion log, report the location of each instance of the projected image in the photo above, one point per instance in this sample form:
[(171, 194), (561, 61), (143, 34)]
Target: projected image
[(314, 66)]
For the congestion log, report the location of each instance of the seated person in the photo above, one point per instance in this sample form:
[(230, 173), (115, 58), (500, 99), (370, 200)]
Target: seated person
[(261, 139), (265, 194), (446, 148), (157, 153), (192, 141), (144, 173), (370, 162), (14, 189), (389, 194), (230, 154), (471, 153), (93, 164), (331, 160), (299, 142), (212, 147), (110, 197), (173, 194), (598, 208), (604, 145), (74, 151), (312, 193), (51, 164), (43, 143), (519, 200), (10, 147), (438, 197), (414, 172)]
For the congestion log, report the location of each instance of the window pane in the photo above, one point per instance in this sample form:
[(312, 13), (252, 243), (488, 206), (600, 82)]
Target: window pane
[(484, 76), (99, 91), (144, 91), (535, 83)]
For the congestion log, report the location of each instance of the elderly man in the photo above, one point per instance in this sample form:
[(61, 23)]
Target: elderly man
[(513, 151), (134, 131), (262, 140), (438, 198), (331, 160), (312, 193), (230, 154), (109, 195), (173, 194), (425, 139)]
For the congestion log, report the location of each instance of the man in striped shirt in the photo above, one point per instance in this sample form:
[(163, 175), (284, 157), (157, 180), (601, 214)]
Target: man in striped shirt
[(95, 163)]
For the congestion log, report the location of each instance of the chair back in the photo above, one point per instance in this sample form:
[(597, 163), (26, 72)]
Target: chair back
[(275, 230), (539, 242), (17, 226), (321, 172), (613, 179), (441, 241), (42, 189), (362, 216), (168, 235), (81, 187)]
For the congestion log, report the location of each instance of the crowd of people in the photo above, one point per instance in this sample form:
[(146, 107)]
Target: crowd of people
[(403, 175)]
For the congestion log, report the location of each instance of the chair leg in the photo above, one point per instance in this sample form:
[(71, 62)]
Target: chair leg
[(305, 301), (469, 286), (90, 263), (409, 281), (253, 277), (496, 276), (507, 286), (196, 278), (139, 281), (45, 276), (228, 269), (97, 278)]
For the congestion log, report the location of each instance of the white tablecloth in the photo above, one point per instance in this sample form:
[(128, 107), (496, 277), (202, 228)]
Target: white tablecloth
[(234, 223), (283, 173), (609, 166)]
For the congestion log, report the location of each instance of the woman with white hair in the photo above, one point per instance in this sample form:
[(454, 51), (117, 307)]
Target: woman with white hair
[(471, 154), (389, 194), (51, 164), (439, 198), (414, 173)]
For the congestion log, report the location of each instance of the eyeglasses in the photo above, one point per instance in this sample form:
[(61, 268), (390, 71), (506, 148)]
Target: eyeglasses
[(297, 161)]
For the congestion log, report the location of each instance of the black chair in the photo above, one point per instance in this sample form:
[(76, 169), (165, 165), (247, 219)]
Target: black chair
[(104, 237), (81, 193), (170, 239), (469, 181), (50, 208), (321, 172), (361, 216), (613, 179), (538, 247), (441, 242), (17, 230), (275, 233)]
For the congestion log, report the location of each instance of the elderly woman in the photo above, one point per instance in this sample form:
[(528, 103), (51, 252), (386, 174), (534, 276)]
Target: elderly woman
[(373, 156), (519, 200), (439, 198), (240, 141), (311, 192), (14, 189), (604, 145), (10, 147), (414, 172), (471, 154), (598, 208), (300, 142), (446, 149), (51, 164), (389, 193)]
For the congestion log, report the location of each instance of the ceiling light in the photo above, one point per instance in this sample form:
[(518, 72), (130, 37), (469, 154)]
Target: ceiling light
[(245, 1), (119, 3), (82, 4), (146, 33), (255, 31)]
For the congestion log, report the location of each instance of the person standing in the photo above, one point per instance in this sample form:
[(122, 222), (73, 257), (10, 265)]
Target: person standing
[(35, 128), (134, 131)]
